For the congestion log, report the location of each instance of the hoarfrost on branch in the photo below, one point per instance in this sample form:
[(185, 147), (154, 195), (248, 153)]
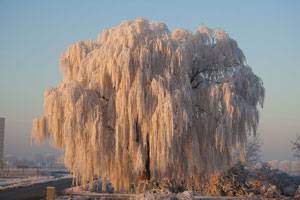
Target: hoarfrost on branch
[(144, 102)]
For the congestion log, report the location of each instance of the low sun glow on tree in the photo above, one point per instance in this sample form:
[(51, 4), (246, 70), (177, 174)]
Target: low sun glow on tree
[(143, 102)]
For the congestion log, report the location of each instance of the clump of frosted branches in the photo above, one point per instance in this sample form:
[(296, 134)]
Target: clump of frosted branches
[(143, 102)]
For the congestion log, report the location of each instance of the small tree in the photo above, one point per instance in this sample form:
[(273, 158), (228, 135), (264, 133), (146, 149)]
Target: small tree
[(253, 149), (296, 145)]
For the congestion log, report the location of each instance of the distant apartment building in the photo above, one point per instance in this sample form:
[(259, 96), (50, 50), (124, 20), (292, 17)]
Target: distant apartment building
[(2, 125)]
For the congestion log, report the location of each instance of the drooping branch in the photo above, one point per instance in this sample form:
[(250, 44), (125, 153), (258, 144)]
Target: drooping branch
[(144, 102)]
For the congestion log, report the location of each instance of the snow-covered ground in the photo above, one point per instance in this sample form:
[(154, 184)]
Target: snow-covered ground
[(9, 183), (145, 196), (77, 193), (81, 193)]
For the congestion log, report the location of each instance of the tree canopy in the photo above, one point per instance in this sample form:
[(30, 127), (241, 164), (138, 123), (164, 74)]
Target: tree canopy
[(143, 102)]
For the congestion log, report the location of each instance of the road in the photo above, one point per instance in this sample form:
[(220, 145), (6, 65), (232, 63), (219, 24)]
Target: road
[(36, 191)]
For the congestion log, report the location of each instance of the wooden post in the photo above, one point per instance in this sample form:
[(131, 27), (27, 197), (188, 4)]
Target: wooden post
[(50, 193)]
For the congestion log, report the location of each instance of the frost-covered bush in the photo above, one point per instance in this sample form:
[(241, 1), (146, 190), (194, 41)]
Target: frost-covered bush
[(241, 181), (234, 182), (297, 194), (98, 187), (164, 195), (157, 185), (286, 183)]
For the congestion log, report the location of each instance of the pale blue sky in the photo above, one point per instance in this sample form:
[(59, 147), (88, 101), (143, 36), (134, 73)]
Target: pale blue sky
[(33, 34)]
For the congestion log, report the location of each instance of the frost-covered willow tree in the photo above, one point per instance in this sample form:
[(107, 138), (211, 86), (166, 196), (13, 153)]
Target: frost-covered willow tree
[(143, 102)]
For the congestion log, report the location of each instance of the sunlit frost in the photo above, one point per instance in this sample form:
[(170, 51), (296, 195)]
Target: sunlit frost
[(144, 102)]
